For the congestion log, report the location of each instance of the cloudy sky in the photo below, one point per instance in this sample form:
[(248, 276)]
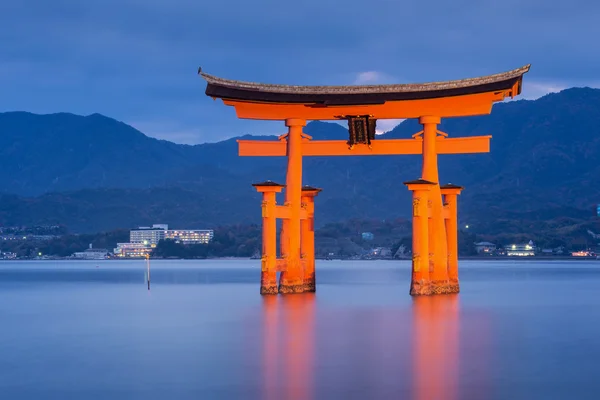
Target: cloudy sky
[(136, 60)]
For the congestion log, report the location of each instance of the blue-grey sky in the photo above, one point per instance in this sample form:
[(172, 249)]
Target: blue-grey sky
[(136, 60)]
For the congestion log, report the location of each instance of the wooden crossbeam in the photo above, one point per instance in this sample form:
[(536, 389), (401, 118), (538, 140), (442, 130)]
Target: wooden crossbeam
[(453, 106), (472, 144), (283, 212)]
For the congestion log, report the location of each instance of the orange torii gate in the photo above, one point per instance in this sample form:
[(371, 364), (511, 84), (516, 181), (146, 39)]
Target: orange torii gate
[(435, 258)]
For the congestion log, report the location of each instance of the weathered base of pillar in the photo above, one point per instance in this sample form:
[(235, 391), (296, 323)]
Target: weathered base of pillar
[(420, 288), (268, 282), (428, 288), (441, 287), (453, 286), (288, 289), (269, 289), (292, 280), (310, 284), (310, 287)]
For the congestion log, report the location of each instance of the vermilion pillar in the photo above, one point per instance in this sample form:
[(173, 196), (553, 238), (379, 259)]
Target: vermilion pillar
[(421, 280), (451, 193), (268, 274), (307, 241), (291, 279), (437, 228)]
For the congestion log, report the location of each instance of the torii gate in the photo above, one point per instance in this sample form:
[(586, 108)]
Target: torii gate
[(435, 258)]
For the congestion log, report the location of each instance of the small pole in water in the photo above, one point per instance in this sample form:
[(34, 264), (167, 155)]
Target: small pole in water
[(148, 269)]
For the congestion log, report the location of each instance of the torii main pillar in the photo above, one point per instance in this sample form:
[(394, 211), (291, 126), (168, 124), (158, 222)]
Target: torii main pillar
[(438, 252), (291, 279)]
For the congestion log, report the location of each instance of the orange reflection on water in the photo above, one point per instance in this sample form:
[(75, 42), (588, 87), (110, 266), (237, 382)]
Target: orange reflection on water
[(435, 347), (289, 346), (270, 345)]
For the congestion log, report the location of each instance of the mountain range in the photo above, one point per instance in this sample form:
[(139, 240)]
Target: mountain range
[(93, 173)]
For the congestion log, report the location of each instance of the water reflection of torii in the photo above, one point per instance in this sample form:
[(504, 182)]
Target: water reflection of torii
[(289, 347), (436, 347)]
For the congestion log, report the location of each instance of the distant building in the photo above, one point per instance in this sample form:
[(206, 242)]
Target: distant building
[(8, 255), (144, 239), (401, 252), (13, 237), (382, 252), (583, 253), (132, 250), (92, 254), (147, 235), (521, 250), (367, 236), (485, 247), (190, 236), (41, 237), (559, 250)]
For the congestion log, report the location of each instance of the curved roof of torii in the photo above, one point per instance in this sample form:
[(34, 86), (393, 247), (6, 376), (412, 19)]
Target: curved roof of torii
[(360, 94)]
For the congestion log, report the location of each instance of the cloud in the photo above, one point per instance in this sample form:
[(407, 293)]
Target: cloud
[(378, 78), (373, 78), (386, 125), (533, 90)]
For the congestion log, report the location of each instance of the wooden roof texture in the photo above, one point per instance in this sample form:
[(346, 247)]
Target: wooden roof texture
[(360, 94)]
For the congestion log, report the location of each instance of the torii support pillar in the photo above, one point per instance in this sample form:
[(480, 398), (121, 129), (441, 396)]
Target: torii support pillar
[(450, 193), (268, 274), (422, 262), (307, 240), (437, 228)]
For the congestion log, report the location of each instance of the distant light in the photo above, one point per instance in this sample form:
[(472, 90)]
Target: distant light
[(467, 226), (40, 253)]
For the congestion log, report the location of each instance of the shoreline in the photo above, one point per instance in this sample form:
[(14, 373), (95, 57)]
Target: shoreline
[(474, 258)]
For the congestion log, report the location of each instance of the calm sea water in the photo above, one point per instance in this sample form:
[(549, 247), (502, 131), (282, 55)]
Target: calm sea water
[(92, 330)]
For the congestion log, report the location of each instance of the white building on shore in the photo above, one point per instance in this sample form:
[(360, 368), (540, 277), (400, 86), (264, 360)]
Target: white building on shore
[(144, 239), (190, 236), (133, 250), (92, 254), (148, 235), (520, 250), (485, 247)]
